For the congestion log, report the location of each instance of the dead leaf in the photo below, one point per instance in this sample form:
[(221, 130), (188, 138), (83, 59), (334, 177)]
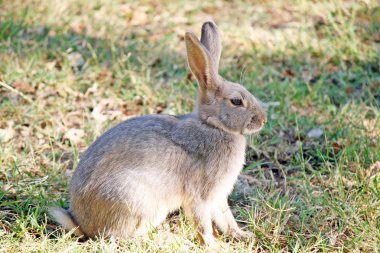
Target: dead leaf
[(337, 147), (23, 86), (288, 73), (7, 133), (376, 166), (74, 135), (73, 119), (104, 75), (52, 33), (332, 68), (212, 9), (350, 90), (372, 127), (303, 111), (78, 26), (375, 86), (54, 65), (138, 17), (130, 109), (375, 169), (25, 131), (97, 113), (92, 90)]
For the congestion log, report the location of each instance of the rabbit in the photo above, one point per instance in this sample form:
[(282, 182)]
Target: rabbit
[(144, 168)]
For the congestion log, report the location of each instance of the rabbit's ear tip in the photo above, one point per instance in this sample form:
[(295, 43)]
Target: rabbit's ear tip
[(190, 36), (209, 24)]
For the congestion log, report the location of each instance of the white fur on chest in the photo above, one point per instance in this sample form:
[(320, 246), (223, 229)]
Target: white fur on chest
[(235, 164)]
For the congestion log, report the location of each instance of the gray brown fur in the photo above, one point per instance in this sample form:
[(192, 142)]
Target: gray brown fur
[(137, 172)]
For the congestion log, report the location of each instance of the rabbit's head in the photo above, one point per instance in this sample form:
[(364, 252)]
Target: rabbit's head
[(224, 104)]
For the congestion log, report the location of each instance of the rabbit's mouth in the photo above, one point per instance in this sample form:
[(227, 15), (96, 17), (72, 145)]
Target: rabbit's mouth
[(254, 126)]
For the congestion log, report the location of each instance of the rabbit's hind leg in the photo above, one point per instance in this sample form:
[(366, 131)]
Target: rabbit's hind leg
[(147, 224)]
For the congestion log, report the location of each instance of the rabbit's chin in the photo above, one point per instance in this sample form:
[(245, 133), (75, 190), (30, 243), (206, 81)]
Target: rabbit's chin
[(252, 131)]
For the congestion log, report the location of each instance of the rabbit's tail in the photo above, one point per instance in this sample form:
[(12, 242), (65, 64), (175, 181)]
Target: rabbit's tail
[(65, 219)]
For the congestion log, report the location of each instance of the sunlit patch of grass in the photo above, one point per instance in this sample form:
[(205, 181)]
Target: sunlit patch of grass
[(85, 66)]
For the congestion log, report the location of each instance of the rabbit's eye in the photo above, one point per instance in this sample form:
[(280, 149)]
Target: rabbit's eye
[(236, 101)]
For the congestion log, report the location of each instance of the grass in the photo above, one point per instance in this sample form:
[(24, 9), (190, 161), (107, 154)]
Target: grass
[(85, 66)]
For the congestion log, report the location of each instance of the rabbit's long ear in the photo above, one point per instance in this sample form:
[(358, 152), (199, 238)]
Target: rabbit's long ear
[(200, 63), (210, 39)]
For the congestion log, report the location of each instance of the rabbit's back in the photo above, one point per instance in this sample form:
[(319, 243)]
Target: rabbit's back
[(144, 142), (151, 142)]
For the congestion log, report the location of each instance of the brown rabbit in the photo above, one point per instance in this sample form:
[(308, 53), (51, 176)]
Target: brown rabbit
[(139, 171)]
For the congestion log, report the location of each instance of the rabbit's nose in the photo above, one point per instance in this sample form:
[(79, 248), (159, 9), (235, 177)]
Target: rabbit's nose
[(264, 119)]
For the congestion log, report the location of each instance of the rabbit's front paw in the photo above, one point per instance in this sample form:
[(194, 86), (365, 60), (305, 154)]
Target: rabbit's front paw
[(241, 234), (207, 239)]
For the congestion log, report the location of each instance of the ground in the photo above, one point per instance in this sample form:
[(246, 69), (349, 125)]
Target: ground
[(71, 69)]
